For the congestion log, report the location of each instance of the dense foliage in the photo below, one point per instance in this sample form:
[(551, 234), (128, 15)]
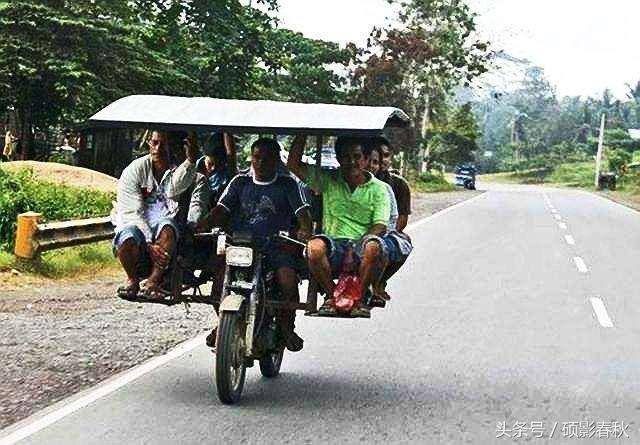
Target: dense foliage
[(531, 127), (21, 192), (416, 64), (63, 60)]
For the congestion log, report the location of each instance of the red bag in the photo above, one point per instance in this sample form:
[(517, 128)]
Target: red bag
[(348, 292)]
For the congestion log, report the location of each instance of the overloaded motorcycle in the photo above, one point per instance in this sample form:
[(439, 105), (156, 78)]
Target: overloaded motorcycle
[(250, 298)]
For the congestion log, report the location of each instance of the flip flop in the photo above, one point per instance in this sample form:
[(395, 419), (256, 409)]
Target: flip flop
[(378, 301), (154, 292), (129, 291)]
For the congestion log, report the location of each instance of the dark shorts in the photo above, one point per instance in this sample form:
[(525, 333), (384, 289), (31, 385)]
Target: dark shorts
[(280, 258), (337, 248)]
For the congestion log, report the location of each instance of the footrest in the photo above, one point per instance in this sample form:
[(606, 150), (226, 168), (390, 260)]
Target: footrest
[(142, 298), (336, 315), (167, 300)]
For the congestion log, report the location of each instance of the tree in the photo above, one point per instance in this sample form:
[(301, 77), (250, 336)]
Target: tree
[(236, 51), (415, 66), (455, 142), (302, 69), (62, 60), (220, 44)]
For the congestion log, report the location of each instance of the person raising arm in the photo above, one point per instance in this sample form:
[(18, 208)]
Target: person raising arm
[(356, 210)]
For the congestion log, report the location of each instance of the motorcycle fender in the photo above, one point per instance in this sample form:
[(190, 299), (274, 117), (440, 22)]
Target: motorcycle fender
[(231, 303)]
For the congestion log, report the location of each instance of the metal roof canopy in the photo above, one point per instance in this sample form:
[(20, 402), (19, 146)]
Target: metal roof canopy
[(247, 116)]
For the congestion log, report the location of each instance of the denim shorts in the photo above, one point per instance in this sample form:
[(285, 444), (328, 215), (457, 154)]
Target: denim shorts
[(398, 246), (133, 232), (337, 248)]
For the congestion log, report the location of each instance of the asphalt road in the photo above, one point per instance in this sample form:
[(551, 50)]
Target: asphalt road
[(507, 321)]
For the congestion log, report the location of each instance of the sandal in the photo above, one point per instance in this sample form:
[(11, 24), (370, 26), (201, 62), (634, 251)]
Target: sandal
[(361, 311), (327, 308), (378, 301), (153, 291), (129, 291)]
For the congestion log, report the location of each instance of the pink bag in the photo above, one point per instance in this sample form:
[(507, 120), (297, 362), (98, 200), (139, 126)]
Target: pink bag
[(348, 292)]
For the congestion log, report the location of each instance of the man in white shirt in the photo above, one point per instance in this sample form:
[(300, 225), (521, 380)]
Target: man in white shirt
[(148, 193)]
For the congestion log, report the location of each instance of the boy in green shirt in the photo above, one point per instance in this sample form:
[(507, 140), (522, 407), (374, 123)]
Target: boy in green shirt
[(356, 211)]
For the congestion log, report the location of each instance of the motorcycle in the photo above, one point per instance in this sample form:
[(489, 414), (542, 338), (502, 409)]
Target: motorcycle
[(247, 328)]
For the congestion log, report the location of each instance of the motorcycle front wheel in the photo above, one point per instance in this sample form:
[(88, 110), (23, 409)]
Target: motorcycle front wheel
[(230, 360)]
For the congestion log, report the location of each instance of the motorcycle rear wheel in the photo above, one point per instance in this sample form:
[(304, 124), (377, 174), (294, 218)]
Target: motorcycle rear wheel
[(230, 360)]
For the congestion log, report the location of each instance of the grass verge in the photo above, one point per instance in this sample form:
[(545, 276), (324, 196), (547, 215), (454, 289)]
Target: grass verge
[(579, 174), (21, 192), (532, 176), (431, 183), (71, 262)]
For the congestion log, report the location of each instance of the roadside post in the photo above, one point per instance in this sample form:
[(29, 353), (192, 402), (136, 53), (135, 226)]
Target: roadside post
[(599, 154), (25, 234)]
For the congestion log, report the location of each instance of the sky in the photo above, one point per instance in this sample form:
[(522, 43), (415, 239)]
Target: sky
[(584, 46)]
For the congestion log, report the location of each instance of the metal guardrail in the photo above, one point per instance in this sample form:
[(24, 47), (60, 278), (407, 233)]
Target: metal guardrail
[(32, 238)]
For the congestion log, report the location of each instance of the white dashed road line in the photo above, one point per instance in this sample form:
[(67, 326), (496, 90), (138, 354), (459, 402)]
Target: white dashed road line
[(598, 305), (601, 313), (580, 264)]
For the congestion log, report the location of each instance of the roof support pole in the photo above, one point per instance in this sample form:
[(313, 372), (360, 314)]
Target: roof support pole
[(312, 290)]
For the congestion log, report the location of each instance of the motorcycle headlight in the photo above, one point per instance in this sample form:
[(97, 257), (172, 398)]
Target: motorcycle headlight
[(239, 256)]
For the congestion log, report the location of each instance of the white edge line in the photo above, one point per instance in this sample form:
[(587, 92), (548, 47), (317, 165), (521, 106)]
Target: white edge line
[(569, 239), (601, 312), (580, 264), (444, 211), (56, 412), (611, 201)]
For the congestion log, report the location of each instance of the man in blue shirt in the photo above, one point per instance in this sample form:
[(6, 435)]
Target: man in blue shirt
[(265, 202)]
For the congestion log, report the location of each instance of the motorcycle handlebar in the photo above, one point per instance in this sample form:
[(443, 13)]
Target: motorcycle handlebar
[(281, 235)]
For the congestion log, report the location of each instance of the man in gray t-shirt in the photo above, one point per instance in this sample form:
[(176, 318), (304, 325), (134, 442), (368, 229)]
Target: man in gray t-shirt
[(147, 204)]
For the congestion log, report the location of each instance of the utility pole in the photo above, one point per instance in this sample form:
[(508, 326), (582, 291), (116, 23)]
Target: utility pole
[(425, 152), (599, 154)]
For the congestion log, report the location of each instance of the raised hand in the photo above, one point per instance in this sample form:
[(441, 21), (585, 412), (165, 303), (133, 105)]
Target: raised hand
[(191, 147)]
